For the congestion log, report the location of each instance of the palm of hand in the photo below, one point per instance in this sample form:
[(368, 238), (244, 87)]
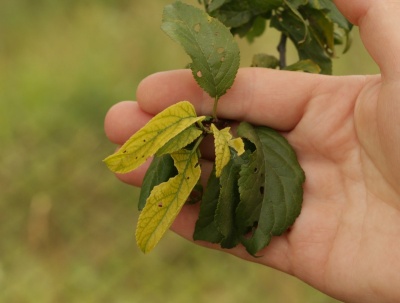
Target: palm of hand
[(351, 200)]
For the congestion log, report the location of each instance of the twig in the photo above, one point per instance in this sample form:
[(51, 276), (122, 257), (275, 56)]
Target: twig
[(282, 51)]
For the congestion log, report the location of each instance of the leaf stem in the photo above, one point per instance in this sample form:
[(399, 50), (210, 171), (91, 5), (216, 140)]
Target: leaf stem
[(214, 113), (197, 144), (282, 51)]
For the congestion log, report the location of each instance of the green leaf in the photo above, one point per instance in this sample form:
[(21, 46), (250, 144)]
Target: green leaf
[(323, 30), (257, 29), (251, 185), (280, 183), (237, 13), (349, 41), (149, 139), (297, 3), (307, 66), (215, 4), (293, 9), (214, 53), (160, 170), (166, 200), (264, 60), (206, 228), (234, 15), (332, 12), (228, 200), (307, 45), (334, 15)]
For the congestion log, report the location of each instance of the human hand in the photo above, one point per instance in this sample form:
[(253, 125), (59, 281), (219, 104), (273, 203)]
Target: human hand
[(346, 133)]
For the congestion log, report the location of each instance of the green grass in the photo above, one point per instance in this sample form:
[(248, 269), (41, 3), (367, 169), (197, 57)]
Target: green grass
[(66, 224)]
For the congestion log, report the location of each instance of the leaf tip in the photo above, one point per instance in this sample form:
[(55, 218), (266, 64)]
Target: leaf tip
[(143, 241), (110, 163)]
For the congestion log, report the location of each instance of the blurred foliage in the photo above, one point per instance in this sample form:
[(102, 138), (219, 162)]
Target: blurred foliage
[(66, 224)]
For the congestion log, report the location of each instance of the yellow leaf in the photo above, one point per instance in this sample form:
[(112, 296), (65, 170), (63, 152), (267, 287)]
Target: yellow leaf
[(149, 139), (238, 145), (222, 141), (180, 141), (222, 152), (167, 199)]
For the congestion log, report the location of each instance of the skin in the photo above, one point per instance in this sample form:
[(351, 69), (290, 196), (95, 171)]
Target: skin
[(346, 132)]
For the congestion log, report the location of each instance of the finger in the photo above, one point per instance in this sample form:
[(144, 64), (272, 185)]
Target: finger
[(379, 23), (260, 96), (136, 176), (123, 120)]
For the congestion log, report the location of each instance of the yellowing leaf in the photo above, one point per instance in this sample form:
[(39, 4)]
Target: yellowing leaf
[(167, 199), (149, 139), (180, 141), (237, 144), (222, 152), (222, 141)]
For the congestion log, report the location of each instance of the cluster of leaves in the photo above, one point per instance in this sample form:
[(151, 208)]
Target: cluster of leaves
[(255, 189), (314, 27)]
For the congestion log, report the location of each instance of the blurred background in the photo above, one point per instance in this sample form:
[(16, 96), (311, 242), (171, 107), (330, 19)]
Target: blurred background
[(66, 224)]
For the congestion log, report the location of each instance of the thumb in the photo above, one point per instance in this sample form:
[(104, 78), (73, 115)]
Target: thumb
[(379, 23)]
